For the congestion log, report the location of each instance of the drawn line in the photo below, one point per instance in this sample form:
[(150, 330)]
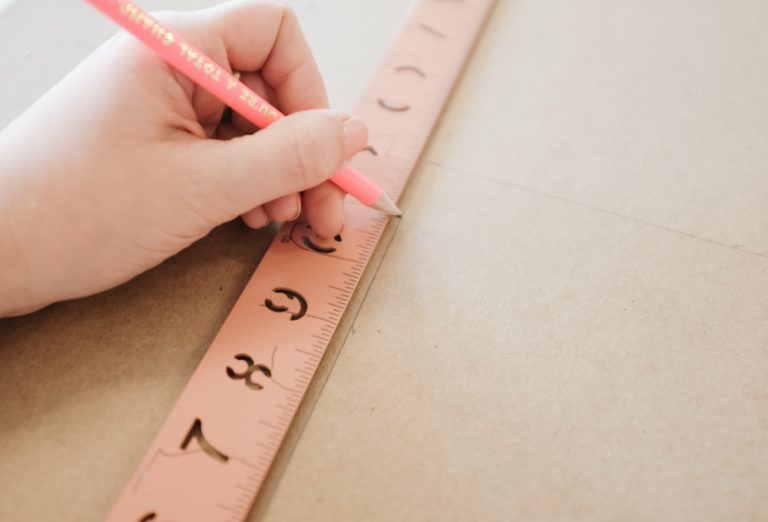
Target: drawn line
[(140, 478), (283, 386), (318, 317), (272, 366), (604, 211)]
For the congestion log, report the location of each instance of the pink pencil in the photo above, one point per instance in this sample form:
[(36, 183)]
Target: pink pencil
[(199, 68)]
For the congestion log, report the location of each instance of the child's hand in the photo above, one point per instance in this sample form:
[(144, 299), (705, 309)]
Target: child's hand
[(117, 167)]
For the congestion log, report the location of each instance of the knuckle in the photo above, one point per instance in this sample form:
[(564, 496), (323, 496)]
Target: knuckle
[(286, 10), (213, 197), (281, 8), (310, 152), (257, 8)]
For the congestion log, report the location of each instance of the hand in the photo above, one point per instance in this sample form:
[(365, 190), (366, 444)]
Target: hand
[(125, 162)]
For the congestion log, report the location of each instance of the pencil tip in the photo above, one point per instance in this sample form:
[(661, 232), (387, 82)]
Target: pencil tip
[(386, 205)]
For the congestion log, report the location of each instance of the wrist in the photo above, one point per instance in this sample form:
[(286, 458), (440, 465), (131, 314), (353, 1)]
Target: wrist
[(14, 276)]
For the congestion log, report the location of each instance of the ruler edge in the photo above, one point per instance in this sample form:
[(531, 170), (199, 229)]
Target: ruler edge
[(316, 385)]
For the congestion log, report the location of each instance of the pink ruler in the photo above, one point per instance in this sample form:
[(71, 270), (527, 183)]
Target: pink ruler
[(214, 451)]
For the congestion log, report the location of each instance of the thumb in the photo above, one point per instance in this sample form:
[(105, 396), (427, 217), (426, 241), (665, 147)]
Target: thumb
[(293, 154)]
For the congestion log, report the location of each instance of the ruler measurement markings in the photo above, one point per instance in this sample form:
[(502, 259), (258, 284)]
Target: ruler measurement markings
[(229, 509), (308, 353), (242, 503), (302, 374)]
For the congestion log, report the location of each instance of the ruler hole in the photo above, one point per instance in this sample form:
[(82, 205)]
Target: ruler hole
[(411, 68), (315, 247), (247, 375), (291, 295), (196, 432), (393, 108)]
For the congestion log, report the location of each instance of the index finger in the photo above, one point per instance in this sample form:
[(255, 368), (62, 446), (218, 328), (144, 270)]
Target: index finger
[(266, 37)]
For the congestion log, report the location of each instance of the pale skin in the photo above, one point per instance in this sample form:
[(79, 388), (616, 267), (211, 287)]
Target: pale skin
[(126, 162)]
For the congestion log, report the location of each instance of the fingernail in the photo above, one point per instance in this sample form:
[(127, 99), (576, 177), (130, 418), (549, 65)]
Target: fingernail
[(298, 209), (355, 136)]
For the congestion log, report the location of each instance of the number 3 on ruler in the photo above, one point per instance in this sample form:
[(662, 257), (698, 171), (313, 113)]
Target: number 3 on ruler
[(196, 432)]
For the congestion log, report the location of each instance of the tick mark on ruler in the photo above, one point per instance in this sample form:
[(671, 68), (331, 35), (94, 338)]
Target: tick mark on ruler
[(319, 318), (344, 291), (432, 31), (237, 512), (268, 425)]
